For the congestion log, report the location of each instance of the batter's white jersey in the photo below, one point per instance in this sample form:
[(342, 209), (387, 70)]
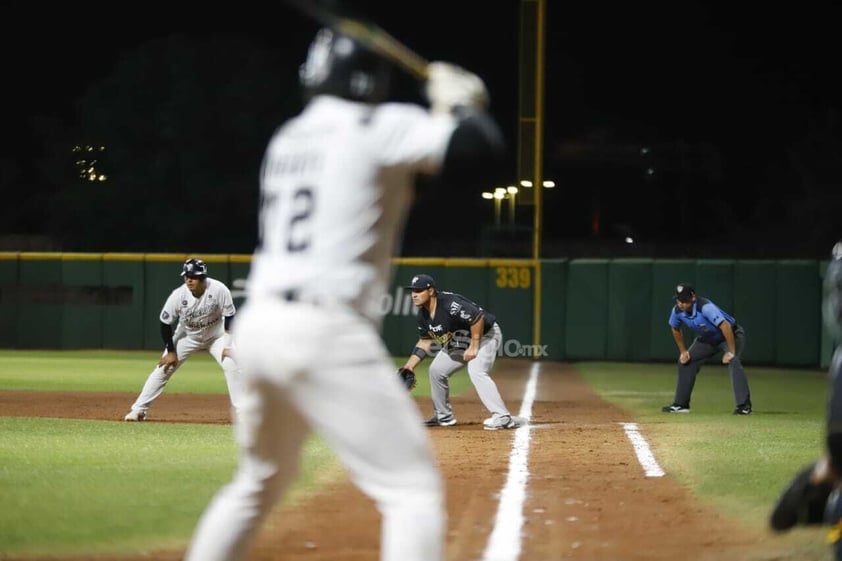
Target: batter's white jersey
[(199, 318), (336, 184)]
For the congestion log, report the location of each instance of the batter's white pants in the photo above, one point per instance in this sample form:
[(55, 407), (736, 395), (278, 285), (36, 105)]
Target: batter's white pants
[(307, 368), (479, 368), (184, 347)]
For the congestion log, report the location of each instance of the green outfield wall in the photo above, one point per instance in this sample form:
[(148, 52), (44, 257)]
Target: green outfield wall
[(586, 309)]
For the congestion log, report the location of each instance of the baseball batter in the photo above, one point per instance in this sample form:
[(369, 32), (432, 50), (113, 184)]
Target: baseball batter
[(466, 335), (336, 185), (203, 309)]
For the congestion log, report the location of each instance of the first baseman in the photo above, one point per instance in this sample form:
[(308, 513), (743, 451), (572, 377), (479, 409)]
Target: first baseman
[(336, 184), (466, 334), (203, 309)]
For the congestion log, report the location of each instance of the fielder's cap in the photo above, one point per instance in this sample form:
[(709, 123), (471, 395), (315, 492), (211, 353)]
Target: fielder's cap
[(684, 292), (422, 282)]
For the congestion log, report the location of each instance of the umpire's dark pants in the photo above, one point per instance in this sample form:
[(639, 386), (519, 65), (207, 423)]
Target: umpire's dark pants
[(699, 353)]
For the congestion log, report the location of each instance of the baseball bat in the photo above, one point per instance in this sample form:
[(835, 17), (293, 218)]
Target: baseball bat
[(371, 36)]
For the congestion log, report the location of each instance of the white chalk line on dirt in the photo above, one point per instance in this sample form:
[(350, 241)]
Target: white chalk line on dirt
[(641, 449), (504, 544)]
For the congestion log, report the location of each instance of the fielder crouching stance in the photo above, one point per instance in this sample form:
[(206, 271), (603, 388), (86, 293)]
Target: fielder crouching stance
[(443, 318), (812, 497), (204, 309)]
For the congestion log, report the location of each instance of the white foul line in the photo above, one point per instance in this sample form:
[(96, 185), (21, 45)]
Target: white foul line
[(641, 448), (504, 543)]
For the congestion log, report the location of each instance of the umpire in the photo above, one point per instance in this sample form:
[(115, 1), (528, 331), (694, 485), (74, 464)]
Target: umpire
[(716, 331)]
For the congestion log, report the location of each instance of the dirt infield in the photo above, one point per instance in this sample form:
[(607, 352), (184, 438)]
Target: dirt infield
[(587, 497)]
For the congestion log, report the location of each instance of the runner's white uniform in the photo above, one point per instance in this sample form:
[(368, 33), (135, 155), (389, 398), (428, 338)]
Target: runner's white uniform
[(200, 327), (336, 185)]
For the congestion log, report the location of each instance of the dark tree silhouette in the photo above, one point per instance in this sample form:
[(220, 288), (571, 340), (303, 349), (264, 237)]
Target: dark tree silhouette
[(183, 121)]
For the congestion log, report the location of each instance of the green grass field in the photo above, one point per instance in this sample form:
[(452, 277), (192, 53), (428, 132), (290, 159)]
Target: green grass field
[(71, 486), (739, 464)]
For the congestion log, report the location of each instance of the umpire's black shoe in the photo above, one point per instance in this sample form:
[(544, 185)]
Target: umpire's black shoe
[(435, 421), (744, 409), (675, 408)]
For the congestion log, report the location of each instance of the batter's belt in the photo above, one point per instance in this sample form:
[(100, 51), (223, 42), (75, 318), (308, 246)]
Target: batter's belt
[(297, 296)]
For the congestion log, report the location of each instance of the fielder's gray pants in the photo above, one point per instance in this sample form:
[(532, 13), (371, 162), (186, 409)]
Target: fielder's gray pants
[(699, 353), (479, 369)]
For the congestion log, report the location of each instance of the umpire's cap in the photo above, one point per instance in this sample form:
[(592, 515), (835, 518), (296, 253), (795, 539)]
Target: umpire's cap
[(684, 292), (194, 268), (422, 282)]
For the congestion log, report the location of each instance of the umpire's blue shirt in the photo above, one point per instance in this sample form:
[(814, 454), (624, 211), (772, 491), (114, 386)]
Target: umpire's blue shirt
[(704, 318)]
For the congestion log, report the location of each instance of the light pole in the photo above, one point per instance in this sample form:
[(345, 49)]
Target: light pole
[(511, 192), (499, 195), (497, 198)]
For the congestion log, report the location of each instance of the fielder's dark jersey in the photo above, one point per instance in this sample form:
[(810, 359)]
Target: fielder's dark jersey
[(704, 318), (453, 319)]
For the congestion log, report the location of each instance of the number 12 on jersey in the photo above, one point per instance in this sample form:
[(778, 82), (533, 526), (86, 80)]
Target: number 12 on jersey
[(285, 225)]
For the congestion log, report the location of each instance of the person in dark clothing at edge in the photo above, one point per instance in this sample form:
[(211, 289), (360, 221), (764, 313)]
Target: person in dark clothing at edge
[(814, 496)]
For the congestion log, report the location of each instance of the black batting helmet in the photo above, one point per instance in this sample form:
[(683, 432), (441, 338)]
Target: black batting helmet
[(338, 65), (195, 268)]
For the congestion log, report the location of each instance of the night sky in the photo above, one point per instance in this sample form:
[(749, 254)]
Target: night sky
[(737, 111)]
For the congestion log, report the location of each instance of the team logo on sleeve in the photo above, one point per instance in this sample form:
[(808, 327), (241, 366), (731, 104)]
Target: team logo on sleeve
[(455, 307), (464, 315), (165, 316)]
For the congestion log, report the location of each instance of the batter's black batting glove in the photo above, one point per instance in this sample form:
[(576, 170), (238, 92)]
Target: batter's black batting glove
[(407, 376)]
